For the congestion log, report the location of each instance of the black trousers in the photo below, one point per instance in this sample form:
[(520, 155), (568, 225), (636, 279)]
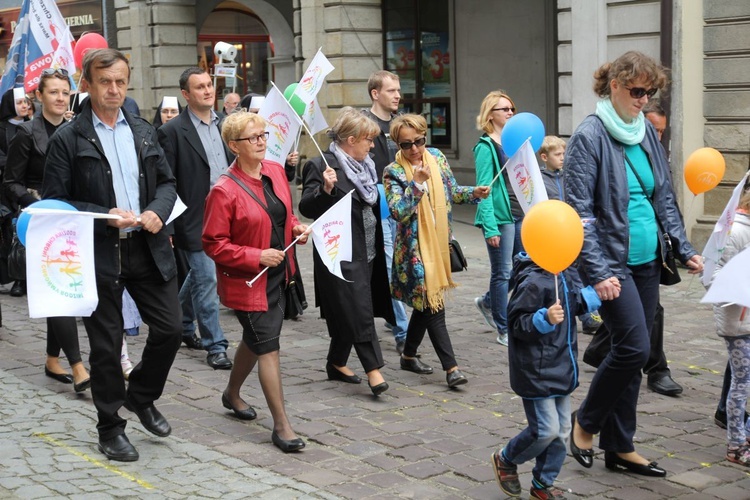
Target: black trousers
[(160, 309), (434, 324), (656, 367), (62, 333)]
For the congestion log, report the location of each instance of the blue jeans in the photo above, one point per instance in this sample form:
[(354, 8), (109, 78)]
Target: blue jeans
[(501, 264), (544, 438), (518, 243), (200, 301), (402, 323), (610, 405)]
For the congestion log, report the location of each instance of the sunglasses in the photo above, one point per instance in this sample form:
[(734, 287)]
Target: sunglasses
[(406, 146), (638, 92), (54, 71), (504, 110), (253, 139)]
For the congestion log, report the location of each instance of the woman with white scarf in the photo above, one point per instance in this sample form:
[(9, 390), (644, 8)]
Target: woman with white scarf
[(349, 307), (421, 191)]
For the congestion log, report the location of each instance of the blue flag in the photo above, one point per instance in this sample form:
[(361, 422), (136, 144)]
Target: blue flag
[(42, 40)]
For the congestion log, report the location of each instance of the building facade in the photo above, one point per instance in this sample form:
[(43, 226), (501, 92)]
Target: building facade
[(450, 53)]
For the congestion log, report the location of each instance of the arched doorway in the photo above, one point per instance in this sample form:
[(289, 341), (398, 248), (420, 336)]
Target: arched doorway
[(236, 24)]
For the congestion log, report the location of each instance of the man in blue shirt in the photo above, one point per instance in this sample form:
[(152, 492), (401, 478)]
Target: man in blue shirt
[(198, 156), (109, 161)]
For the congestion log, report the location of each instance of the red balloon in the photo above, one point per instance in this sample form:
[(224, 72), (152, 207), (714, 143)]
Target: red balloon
[(87, 42)]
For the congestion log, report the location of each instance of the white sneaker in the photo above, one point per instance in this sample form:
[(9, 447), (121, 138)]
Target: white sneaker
[(486, 313), (502, 339)]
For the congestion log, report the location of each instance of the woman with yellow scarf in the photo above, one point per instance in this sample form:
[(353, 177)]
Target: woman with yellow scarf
[(420, 189)]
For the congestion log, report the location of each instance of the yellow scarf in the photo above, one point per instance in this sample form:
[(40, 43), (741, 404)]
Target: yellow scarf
[(432, 232)]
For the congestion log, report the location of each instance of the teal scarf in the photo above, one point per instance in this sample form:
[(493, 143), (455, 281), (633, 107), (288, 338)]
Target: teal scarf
[(627, 133)]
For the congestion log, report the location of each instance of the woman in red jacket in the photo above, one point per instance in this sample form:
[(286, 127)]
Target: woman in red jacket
[(244, 233)]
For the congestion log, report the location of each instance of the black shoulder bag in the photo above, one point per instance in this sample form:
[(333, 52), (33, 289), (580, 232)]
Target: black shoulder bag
[(669, 273), (295, 298)]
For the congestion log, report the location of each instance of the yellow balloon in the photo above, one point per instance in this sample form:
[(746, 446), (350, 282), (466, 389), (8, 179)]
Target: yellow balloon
[(704, 169), (552, 234)]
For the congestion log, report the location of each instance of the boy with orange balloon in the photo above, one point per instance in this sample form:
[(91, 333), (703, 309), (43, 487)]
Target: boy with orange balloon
[(542, 354)]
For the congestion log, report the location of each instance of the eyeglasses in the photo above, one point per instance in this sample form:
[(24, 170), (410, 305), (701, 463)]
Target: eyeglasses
[(253, 139), (504, 110), (406, 146), (54, 71), (638, 92)]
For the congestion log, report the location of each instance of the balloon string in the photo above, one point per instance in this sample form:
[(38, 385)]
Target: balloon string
[(557, 292)]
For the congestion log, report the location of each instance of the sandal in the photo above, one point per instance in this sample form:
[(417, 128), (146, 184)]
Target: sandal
[(739, 455)]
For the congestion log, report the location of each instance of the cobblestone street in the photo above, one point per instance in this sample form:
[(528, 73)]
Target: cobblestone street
[(419, 440)]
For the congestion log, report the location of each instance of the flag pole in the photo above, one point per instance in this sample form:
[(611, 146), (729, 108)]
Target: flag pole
[(505, 165), (309, 230)]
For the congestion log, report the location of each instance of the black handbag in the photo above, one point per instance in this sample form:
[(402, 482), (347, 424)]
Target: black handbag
[(458, 261), (669, 274), (294, 292), (17, 259)]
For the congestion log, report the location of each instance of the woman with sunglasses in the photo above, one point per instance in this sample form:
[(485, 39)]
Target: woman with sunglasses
[(22, 182), (496, 215), (421, 190), (248, 222), (616, 173), (349, 307)]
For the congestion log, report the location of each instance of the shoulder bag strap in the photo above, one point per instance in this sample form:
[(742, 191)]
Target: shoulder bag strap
[(667, 239), (264, 207)]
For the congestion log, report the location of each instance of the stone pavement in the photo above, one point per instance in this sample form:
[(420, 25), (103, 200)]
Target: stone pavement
[(418, 440)]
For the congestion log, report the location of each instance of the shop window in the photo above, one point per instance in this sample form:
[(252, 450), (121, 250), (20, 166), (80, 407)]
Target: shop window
[(254, 48), (418, 48)]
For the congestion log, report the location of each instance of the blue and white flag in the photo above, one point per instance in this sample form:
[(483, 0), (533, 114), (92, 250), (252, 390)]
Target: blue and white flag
[(42, 40)]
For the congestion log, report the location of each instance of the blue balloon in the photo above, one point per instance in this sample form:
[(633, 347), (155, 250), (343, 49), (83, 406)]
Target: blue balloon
[(519, 128), (23, 220)]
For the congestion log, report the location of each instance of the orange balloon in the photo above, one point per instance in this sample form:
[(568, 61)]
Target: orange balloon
[(704, 169), (552, 234)]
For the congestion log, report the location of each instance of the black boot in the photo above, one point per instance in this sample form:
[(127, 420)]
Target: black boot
[(18, 289)]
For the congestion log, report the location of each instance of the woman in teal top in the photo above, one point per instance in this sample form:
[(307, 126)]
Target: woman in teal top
[(622, 255), (494, 215)]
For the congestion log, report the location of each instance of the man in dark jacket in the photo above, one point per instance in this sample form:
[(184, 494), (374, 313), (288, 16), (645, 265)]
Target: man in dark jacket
[(384, 89), (198, 156), (108, 161)]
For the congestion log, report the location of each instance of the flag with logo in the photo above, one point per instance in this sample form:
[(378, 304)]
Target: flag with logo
[(313, 79), (718, 239), (283, 125), (314, 118), (60, 272), (41, 40), (526, 177), (332, 235)]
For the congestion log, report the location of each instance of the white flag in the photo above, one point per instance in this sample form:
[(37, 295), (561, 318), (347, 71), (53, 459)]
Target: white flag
[(63, 56), (718, 239), (60, 272), (526, 177), (313, 78), (732, 283), (314, 117), (332, 235), (283, 125)]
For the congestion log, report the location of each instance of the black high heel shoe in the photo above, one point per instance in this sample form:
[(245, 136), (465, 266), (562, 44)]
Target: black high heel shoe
[(248, 414), (582, 456), (613, 461), (379, 389), (287, 446), (335, 374)]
